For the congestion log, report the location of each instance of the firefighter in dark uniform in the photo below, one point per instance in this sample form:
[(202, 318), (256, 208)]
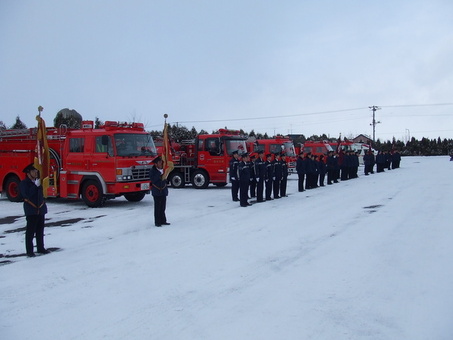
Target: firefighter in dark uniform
[(277, 175), (396, 159), (284, 181), (300, 168), (260, 176), (368, 161), (330, 167), (35, 209), (322, 170), (380, 162), (159, 191), (269, 176), (310, 169), (234, 161), (244, 179), (252, 177)]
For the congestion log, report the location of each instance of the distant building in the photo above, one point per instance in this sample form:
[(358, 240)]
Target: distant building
[(362, 139)]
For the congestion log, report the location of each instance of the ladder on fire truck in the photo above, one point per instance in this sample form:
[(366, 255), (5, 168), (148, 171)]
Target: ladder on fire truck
[(18, 133)]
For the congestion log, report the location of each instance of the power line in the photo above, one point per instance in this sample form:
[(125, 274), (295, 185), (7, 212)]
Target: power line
[(415, 105), (270, 117), (311, 114)]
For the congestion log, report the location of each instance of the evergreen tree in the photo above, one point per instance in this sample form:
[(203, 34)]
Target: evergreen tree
[(193, 133), (18, 125)]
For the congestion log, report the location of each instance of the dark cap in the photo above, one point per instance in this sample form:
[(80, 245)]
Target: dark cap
[(29, 168), (268, 155), (157, 159), (245, 154), (235, 152)]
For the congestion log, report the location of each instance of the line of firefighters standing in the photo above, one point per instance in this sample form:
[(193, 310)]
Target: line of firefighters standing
[(265, 177)]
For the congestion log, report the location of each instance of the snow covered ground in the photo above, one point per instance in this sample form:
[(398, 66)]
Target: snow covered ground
[(369, 258)]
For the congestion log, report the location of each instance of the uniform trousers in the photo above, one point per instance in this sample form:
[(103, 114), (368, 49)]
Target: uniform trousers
[(160, 204), (35, 227)]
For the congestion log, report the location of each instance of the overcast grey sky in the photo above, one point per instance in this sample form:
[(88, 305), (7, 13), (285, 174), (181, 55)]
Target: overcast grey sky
[(308, 67)]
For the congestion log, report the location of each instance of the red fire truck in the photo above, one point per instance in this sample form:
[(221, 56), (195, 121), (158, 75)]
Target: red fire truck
[(96, 164), (317, 147), (274, 145), (204, 159)]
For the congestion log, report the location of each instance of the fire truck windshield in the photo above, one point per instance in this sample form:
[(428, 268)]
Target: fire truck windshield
[(288, 147), (133, 144), (235, 145)]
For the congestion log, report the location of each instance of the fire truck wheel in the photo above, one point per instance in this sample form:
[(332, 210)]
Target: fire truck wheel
[(177, 180), (200, 179), (92, 194), (12, 189), (220, 185), (135, 196)]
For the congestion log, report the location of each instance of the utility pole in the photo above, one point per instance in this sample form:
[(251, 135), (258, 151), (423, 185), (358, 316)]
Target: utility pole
[(374, 108)]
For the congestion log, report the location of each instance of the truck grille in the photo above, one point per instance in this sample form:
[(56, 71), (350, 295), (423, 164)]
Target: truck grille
[(140, 174)]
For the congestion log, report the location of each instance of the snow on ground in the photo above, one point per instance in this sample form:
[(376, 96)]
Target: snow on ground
[(368, 258)]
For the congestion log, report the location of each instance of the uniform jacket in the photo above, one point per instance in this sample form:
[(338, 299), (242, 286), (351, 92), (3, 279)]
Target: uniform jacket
[(260, 169), (300, 166), (284, 168), (158, 185), (269, 170), (233, 169), (278, 171), (34, 203), (244, 172)]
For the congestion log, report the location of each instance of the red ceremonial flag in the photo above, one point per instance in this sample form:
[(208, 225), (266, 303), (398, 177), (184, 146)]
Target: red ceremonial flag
[(42, 159)]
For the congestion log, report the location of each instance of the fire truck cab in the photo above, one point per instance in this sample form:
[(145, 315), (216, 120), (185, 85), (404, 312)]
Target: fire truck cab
[(317, 147), (205, 159), (275, 145)]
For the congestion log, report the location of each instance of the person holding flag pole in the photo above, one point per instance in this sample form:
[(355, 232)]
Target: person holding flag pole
[(33, 190), (162, 167)]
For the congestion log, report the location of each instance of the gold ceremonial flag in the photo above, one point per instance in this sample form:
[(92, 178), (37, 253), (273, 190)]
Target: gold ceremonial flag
[(42, 158), (166, 151)]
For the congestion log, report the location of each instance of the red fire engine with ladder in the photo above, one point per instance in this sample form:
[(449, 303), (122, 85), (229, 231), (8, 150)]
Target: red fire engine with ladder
[(95, 164)]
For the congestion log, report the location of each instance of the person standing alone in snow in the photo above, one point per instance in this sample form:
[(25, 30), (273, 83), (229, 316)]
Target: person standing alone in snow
[(35, 209), (159, 191)]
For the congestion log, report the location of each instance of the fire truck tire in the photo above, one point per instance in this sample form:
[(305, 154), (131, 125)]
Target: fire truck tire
[(12, 189), (220, 185), (92, 194), (200, 179), (135, 196), (177, 180)]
